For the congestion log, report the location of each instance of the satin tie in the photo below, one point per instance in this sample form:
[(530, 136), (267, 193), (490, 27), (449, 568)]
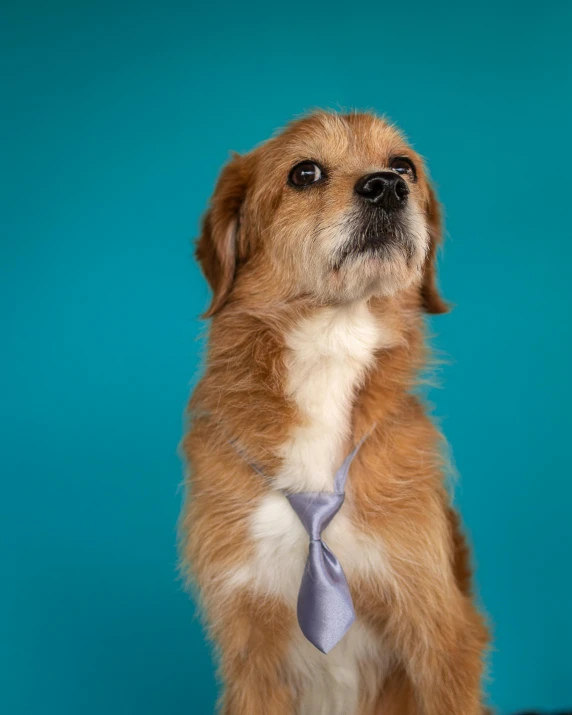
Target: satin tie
[(325, 609)]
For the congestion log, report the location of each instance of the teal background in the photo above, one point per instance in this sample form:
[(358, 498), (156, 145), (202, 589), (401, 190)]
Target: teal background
[(115, 119)]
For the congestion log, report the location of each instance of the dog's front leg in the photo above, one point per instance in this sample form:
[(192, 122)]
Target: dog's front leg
[(441, 643), (253, 635)]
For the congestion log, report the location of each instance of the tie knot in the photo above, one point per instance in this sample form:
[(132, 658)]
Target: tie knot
[(315, 510)]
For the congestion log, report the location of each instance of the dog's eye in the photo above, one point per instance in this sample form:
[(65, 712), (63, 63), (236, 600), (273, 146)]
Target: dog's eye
[(305, 173), (403, 166)]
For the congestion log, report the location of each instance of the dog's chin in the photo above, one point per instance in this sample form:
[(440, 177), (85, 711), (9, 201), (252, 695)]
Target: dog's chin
[(381, 248), (375, 265)]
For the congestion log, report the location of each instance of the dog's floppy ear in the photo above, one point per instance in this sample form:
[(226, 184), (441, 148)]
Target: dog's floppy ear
[(218, 248), (430, 298)]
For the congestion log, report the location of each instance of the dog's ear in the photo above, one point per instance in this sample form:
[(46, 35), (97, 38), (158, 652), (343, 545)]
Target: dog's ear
[(218, 248), (430, 298)]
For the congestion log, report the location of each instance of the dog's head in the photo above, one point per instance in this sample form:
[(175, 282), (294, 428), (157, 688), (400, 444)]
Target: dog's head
[(336, 207)]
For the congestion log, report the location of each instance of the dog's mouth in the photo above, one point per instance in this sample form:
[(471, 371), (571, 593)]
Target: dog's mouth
[(377, 235)]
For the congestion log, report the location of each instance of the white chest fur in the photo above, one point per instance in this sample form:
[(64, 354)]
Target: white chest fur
[(329, 355)]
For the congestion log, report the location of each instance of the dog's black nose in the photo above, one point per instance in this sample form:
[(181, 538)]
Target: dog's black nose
[(384, 188)]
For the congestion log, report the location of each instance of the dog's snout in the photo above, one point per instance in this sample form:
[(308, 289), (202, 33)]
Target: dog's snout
[(384, 188)]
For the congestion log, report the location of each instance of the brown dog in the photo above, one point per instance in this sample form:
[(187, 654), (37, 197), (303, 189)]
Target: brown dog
[(319, 247)]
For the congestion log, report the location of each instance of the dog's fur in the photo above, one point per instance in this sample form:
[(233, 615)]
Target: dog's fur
[(316, 336)]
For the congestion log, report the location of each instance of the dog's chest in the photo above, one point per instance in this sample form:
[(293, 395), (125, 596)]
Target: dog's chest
[(328, 358)]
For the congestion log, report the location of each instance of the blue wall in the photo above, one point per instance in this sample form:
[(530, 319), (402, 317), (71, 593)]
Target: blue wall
[(116, 119)]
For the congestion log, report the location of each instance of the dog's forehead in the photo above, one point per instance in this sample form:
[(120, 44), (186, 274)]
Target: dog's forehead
[(351, 139)]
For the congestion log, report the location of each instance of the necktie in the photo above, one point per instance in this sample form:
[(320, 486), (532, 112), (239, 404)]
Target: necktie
[(325, 609)]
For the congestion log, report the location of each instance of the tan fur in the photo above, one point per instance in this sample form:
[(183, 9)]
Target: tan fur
[(262, 250)]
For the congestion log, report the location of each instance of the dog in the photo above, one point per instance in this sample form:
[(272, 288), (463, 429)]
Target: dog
[(319, 246)]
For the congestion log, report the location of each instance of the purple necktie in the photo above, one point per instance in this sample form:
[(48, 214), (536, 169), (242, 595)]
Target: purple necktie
[(325, 608)]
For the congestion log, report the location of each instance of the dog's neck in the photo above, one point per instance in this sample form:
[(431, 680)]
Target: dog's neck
[(297, 389), (328, 355)]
